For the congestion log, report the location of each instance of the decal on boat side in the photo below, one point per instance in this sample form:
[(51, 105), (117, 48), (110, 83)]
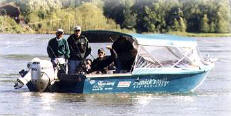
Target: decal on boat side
[(124, 84), (92, 81), (103, 85), (150, 83), (106, 83)]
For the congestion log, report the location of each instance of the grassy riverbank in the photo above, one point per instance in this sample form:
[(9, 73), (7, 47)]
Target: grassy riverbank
[(188, 34), (201, 34)]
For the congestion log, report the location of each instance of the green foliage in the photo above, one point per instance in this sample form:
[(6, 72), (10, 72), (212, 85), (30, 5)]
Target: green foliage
[(91, 17), (212, 27), (114, 9), (8, 25), (154, 18), (182, 24), (207, 16), (139, 9), (175, 19), (223, 17), (176, 25), (28, 6), (87, 15), (192, 15), (204, 26), (129, 19)]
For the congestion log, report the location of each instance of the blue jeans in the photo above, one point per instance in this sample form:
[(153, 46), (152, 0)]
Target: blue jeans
[(73, 65)]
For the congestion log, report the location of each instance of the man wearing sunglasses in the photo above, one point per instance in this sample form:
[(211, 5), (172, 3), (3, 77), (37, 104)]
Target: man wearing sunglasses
[(101, 64), (79, 49)]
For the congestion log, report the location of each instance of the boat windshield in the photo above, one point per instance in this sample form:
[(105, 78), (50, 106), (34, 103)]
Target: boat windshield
[(167, 57)]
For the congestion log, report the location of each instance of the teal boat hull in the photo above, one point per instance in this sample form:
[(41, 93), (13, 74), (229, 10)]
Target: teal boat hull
[(129, 83), (144, 83)]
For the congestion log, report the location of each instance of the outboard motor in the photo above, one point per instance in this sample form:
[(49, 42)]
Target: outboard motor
[(40, 75), (38, 79)]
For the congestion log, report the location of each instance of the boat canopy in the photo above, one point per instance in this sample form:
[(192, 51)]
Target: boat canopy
[(155, 50), (166, 51), (164, 40), (102, 36)]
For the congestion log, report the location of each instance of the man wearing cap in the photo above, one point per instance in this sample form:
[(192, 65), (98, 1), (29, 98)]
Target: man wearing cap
[(102, 63), (58, 47), (79, 49)]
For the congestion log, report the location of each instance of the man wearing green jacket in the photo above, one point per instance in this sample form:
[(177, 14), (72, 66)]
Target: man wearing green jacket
[(58, 48)]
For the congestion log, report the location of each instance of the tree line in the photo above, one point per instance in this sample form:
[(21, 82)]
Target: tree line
[(206, 16), (201, 16)]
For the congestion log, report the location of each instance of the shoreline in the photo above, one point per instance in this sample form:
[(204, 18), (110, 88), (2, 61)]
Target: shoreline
[(188, 34)]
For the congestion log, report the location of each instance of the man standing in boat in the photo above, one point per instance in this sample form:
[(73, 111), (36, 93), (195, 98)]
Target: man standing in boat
[(126, 54), (79, 49), (58, 48)]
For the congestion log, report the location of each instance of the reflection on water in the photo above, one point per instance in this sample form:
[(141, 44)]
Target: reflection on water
[(212, 98), (25, 57)]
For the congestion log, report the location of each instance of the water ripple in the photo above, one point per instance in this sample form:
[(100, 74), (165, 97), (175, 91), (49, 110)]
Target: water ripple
[(27, 57)]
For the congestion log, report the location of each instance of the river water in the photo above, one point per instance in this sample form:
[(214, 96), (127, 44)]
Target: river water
[(212, 98)]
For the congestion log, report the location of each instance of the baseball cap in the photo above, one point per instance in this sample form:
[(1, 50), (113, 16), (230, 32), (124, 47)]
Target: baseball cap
[(101, 50), (77, 28), (59, 31)]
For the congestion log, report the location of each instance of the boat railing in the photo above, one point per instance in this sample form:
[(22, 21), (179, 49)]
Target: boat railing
[(108, 75)]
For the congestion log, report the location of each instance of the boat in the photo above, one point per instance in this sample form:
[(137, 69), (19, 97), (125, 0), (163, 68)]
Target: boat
[(164, 63)]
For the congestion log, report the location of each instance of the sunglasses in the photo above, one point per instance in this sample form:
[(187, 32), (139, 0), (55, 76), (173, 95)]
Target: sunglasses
[(60, 33), (87, 63), (100, 52)]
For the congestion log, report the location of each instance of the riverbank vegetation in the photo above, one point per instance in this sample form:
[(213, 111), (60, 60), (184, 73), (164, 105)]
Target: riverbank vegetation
[(187, 17), (9, 25), (191, 34)]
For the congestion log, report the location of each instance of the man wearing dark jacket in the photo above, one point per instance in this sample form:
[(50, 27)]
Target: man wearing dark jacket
[(126, 54), (58, 47), (79, 49), (102, 63)]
